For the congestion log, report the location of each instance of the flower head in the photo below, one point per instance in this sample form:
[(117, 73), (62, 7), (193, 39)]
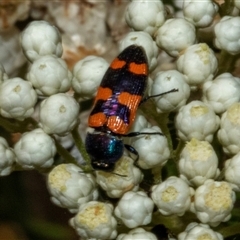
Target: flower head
[(70, 187), (95, 220), (35, 149), (40, 38), (134, 209), (213, 202)]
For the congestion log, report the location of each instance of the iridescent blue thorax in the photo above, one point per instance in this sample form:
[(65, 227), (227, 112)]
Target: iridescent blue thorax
[(104, 150)]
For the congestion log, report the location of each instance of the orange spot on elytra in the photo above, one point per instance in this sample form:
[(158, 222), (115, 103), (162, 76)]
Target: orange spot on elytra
[(116, 64), (116, 125), (138, 68), (97, 120), (130, 100), (103, 94)]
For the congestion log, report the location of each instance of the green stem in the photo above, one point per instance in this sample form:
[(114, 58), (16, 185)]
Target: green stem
[(80, 145), (174, 223), (226, 8), (32, 122), (157, 174), (77, 96), (163, 124), (13, 125), (178, 150), (64, 153), (230, 230), (149, 109), (9, 126), (226, 62)]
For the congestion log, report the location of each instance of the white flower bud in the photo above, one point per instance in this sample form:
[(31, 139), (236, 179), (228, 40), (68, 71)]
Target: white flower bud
[(145, 16), (49, 75), (95, 220), (166, 81), (139, 123), (173, 196), (134, 209), (35, 149), (59, 114), (175, 35), (236, 3), (137, 234), (88, 74), (196, 120), (144, 40), (70, 187), (40, 39), (116, 185), (197, 231), (229, 132), (66, 141), (153, 150), (17, 99), (198, 63), (198, 162), (8, 158), (3, 75), (232, 171), (178, 3), (222, 92), (227, 34), (201, 14), (213, 202)]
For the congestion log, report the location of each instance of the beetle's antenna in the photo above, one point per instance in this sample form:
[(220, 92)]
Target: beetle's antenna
[(93, 170)]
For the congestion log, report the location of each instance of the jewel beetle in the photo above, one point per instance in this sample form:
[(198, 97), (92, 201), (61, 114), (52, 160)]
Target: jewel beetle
[(120, 93)]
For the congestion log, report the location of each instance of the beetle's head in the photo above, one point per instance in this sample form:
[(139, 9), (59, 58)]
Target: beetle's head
[(104, 150)]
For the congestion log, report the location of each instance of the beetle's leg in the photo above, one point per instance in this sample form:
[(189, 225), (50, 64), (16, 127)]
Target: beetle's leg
[(134, 134), (132, 150)]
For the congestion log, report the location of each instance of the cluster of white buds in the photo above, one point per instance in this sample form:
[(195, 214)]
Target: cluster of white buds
[(70, 187), (227, 34), (173, 196), (145, 16), (169, 80), (135, 209), (94, 220), (222, 92), (196, 120), (35, 149), (136, 234), (8, 158), (144, 40), (195, 231), (213, 202), (17, 98), (87, 75), (160, 177), (127, 177), (198, 162), (198, 63)]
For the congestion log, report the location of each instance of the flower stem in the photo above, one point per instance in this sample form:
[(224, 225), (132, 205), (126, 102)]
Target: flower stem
[(226, 62), (157, 174), (9, 125), (64, 153), (149, 109), (80, 145), (178, 150), (230, 230)]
